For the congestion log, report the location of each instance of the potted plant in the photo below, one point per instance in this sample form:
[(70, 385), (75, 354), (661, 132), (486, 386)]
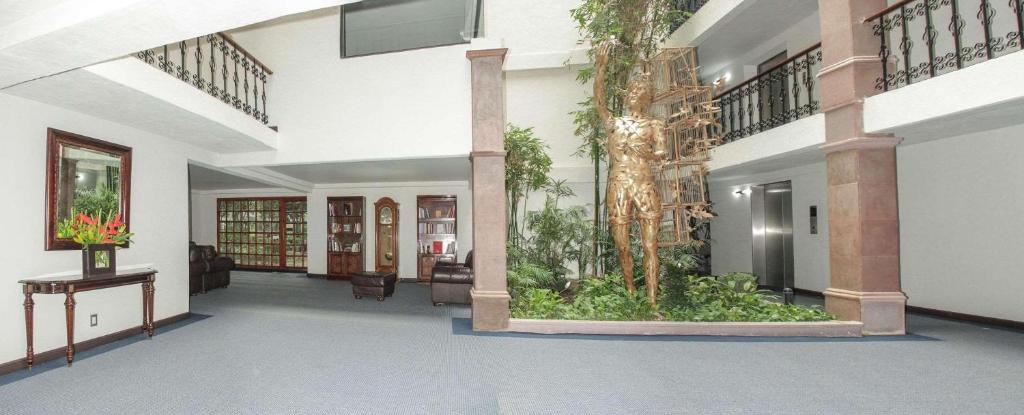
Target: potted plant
[(99, 236)]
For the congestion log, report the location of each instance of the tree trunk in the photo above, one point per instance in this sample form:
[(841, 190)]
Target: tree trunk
[(597, 203)]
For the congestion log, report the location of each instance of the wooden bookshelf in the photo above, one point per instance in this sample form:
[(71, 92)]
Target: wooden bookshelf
[(267, 233), (345, 236), (437, 230)]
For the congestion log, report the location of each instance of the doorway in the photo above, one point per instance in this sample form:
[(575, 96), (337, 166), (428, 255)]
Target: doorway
[(772, 92), (771, 214)]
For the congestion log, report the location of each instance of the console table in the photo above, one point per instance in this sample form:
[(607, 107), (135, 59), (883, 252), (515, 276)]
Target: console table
[(71, 284)]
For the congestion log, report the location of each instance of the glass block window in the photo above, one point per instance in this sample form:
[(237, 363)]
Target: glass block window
[(263, 233)]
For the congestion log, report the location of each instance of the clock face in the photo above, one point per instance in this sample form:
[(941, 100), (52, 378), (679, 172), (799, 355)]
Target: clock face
[(386, 216)]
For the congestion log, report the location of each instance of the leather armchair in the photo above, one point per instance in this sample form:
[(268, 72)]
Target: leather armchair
[(450, 282), (216, 269), (196, 269)]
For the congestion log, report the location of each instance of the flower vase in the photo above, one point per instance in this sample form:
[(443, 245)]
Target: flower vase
[(98, 261)]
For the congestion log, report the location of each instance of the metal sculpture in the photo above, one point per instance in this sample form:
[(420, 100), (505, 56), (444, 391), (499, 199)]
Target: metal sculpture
[(656, 157), (636, 145)]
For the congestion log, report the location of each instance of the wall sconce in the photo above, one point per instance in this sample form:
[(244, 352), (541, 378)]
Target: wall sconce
[(721, 80), (743, 192)]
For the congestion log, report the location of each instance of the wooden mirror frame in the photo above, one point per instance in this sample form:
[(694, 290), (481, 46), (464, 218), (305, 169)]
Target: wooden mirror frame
[(54, 140), (378, 206)]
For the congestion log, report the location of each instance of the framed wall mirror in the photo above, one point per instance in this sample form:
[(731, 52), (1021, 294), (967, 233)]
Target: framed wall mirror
[(83, 175), (387, 235)]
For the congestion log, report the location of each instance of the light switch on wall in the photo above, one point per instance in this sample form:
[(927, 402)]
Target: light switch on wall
[(94, 320)]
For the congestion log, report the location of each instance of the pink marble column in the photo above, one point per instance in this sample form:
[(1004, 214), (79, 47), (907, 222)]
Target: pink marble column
[(490, 288), (863, 215)]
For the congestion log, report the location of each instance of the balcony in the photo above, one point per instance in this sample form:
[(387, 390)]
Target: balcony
[(780, 95), (922, 39), (765, 58), (950, 68), (215, 64)]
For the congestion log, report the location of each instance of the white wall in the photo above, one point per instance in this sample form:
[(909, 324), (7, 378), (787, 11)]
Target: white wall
[(159, 200), (731, 246), (405, 195), (413, 104), (544, 99), (960, 223), (537, 33), (961, 227)]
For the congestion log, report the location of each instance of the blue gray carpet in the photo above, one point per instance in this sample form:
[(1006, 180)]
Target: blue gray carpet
[(280, 343)]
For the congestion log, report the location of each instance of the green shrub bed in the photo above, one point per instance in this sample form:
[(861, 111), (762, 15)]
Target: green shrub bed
[(538, 294)]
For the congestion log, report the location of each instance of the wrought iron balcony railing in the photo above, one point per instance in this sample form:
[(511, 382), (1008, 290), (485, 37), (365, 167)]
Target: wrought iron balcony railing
[(216, 65), (783, 94), (922, 39)]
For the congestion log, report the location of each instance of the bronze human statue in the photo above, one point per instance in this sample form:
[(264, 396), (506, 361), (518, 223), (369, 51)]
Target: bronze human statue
[(636, 143)]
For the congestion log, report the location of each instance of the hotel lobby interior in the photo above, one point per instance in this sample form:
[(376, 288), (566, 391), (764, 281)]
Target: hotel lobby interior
[(496, 206)]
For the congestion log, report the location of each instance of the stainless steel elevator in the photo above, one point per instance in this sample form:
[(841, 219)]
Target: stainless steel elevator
[(771, 214)]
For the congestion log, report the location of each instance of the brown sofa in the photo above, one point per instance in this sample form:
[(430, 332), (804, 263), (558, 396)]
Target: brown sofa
[(450, 282), (207, 269)]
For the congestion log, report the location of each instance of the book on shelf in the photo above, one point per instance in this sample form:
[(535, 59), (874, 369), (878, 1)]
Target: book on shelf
[(356, 228), (436, 228), (438, 248), (334, 245), (439, 212)]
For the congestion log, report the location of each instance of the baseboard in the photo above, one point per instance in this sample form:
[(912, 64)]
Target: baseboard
[(59, 353), (949, 315), (284, 270), (328, 277), (970, 318), (809, 293)]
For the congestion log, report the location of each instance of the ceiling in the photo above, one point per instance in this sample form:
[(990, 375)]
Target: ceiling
[(760, 21), (385, 171), (809, 155), (14, 10), (85, 91), (44, 37), (202, 178)]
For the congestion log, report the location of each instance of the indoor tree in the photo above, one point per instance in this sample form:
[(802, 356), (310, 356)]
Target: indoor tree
[(526, 170)]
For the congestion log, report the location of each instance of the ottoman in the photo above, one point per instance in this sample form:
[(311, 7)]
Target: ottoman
[(374, 284)]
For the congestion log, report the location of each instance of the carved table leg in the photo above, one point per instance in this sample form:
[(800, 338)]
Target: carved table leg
[(148, 307), (30, 355), (69, 309), (145, 307)]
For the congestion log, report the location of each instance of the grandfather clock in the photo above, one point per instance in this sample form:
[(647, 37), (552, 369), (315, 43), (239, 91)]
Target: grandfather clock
[(386, 218)]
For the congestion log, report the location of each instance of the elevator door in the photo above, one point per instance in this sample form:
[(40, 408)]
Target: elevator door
[(771, 213)]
